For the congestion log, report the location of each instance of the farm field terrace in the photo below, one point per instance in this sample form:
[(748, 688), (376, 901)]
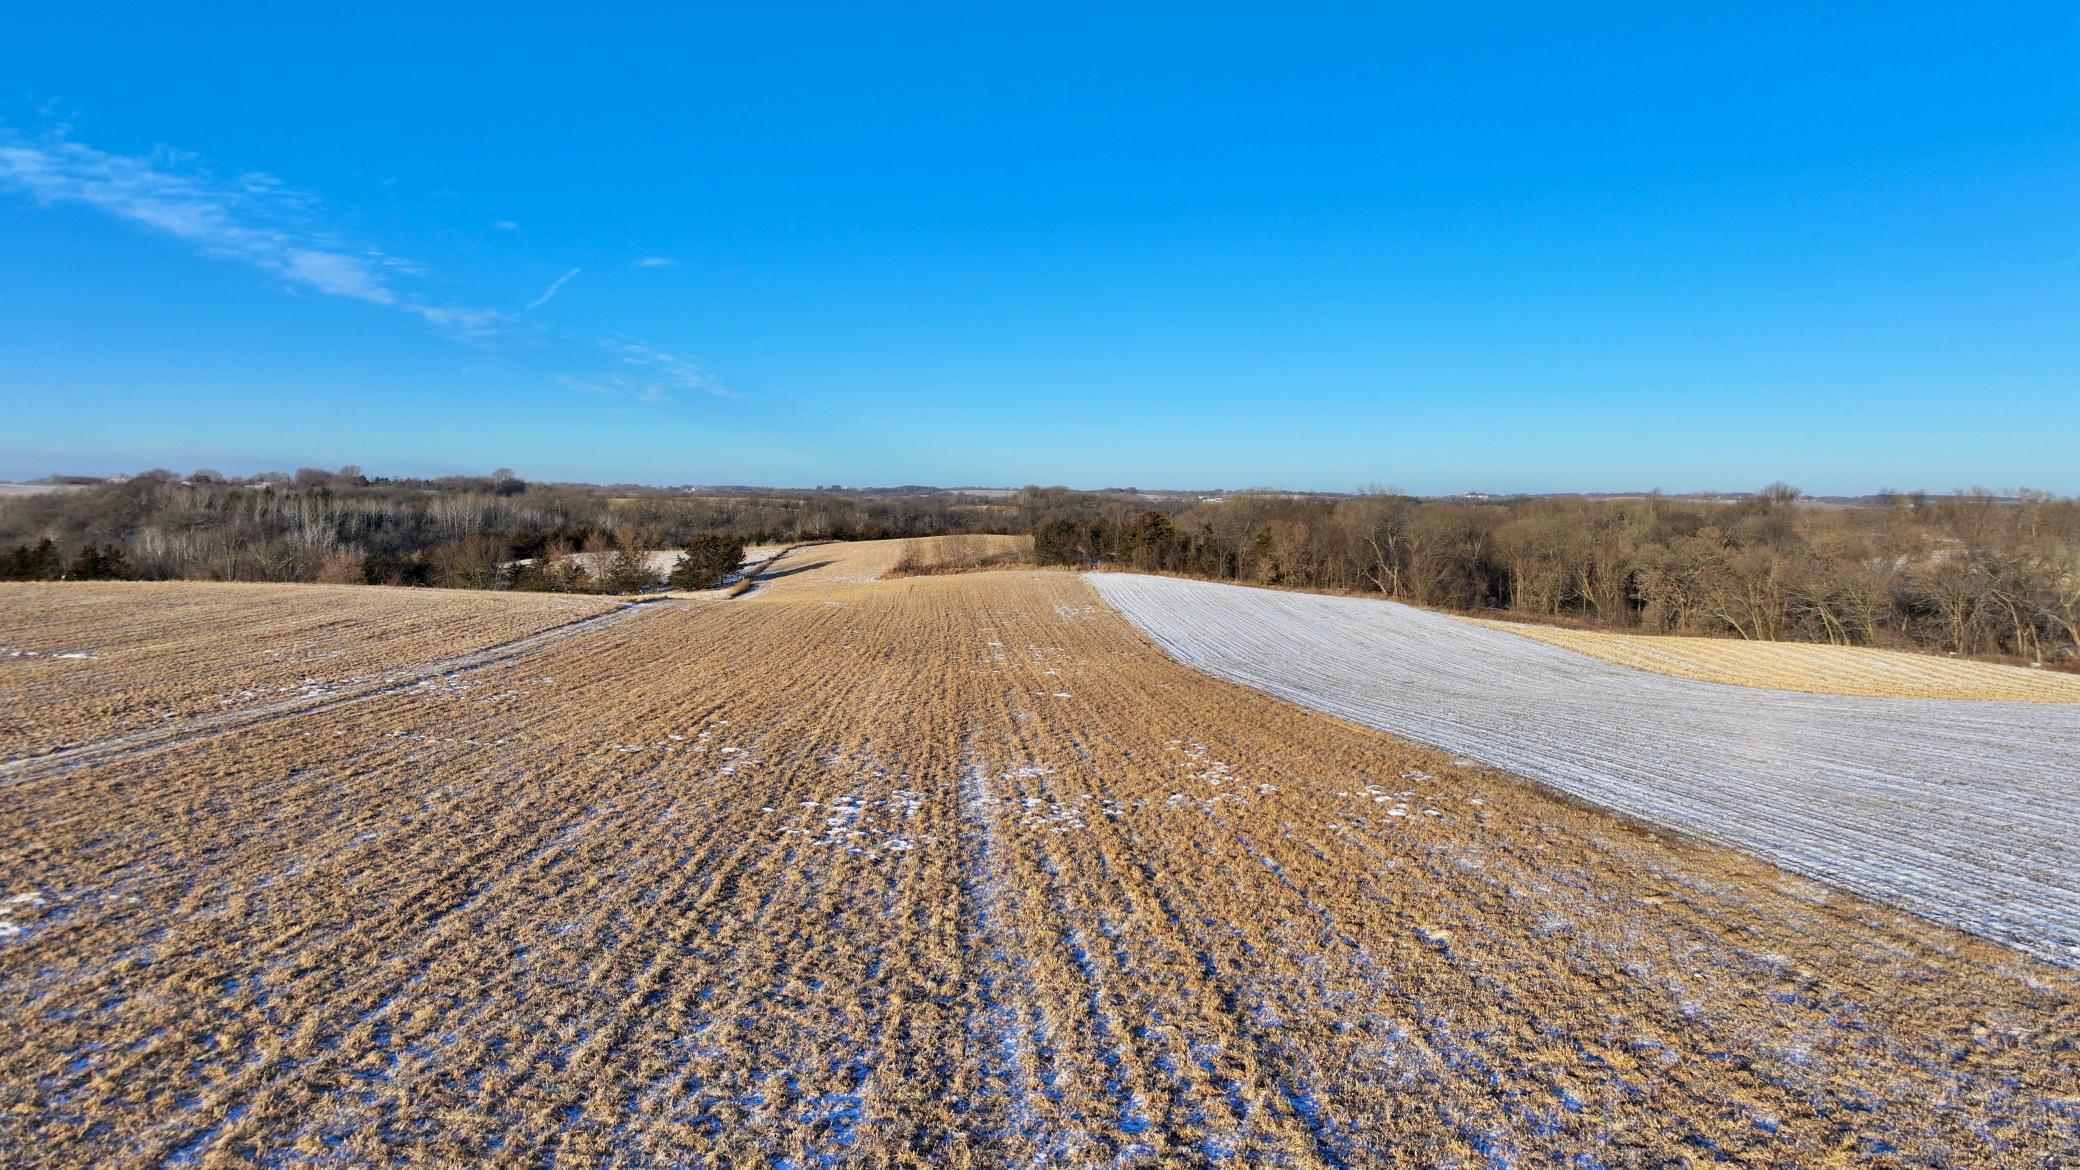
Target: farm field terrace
[(1959, 810), (1809, 668), (938, 871)]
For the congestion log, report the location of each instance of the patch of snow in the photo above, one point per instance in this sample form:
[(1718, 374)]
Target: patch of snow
[(18, 652), (1879, 796)]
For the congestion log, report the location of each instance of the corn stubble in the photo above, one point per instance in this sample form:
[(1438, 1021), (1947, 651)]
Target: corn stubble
[(945, 871), (83, 661)]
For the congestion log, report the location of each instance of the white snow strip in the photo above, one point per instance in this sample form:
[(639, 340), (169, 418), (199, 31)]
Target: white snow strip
[(18, 652), (1963, 812)]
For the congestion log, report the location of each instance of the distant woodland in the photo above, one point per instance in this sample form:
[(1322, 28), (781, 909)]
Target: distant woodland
[(1968, 573), (468, 532)]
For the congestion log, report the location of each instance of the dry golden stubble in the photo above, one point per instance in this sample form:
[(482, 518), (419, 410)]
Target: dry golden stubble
[(947, 871), (1809, 667), (83, 661)]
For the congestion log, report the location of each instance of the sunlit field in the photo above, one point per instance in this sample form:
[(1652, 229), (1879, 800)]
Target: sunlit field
[(947, 869)]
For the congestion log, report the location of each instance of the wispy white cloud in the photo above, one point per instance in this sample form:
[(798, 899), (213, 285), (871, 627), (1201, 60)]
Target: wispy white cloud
[(555, 287), (646, 374), (252, 218), (256, 219), (505, 225), (616, 384), (672, 371), (461, 320), (336, 273)]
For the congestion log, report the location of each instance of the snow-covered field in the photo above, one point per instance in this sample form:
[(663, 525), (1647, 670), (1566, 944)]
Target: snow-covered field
[(1961, 811), (662, 561)]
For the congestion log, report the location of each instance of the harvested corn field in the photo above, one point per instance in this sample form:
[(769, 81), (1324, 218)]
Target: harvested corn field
[(1810, 668), (946, 871), (83, 661), (1961, 811), (821, 566)]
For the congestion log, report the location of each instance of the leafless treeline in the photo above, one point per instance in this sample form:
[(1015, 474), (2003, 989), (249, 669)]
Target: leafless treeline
[(342, 527), (1969, 573)]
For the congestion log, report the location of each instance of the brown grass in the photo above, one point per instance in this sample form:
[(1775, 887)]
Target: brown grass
[(934, 555), (952, 871), (1811, 668)]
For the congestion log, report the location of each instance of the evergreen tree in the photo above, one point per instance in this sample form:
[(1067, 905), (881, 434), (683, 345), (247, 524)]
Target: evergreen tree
[(37, 562), (708, 559), (103, 563)]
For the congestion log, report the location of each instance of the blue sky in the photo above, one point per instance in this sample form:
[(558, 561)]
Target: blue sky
[(1205, 245)]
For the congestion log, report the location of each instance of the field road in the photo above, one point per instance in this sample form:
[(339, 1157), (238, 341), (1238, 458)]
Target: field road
[(311, 698), (1962, 811), (939, 871), (86, 663)]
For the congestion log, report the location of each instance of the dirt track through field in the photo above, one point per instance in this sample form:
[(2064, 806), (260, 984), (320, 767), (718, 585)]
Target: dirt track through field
[(946, 871), (86, 661), (1962, 811), (439, 672)]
